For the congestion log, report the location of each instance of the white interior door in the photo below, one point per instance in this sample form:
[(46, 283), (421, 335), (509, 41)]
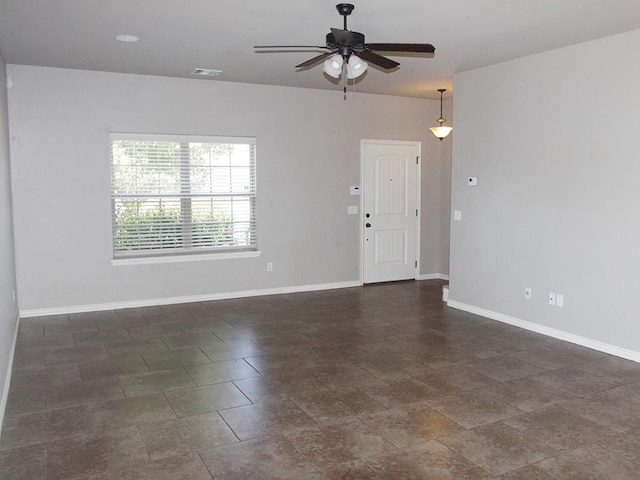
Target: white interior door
[(390, 210)]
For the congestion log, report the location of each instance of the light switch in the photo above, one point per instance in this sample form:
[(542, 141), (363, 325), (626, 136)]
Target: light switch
[(472, 181), (457, 215), (352, 210), (354, 190)]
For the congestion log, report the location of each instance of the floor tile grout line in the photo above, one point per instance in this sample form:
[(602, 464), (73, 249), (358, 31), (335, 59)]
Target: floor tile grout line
[(227, 424)]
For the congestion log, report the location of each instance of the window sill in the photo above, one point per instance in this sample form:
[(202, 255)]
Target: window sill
[(184, 258)]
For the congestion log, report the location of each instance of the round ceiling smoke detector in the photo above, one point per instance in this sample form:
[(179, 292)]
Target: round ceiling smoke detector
[(127, 38)]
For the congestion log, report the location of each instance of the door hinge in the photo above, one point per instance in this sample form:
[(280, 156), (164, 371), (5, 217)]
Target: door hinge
[(417, 160), (416, 212), (416, 263)]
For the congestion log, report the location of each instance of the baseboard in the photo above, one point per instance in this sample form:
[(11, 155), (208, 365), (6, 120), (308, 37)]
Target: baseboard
[(39, 312), (551, 332), (433, 276), (7, 381)]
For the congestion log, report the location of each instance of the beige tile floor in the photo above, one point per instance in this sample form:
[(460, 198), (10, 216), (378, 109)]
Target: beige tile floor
[(381, 382)]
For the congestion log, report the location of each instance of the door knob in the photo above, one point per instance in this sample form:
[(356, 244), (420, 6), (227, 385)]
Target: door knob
[(368, 225)]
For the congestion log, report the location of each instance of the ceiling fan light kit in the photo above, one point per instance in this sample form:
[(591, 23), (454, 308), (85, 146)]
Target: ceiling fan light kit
[(333, 66), (355, 67), (345, 46), (441, 131)]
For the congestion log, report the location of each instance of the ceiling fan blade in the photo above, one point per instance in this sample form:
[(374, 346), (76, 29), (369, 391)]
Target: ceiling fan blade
[(290, 46), (401, 47), (376, 59), (314, 60)]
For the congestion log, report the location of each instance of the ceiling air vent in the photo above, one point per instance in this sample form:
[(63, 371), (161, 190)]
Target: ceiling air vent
[(206, 72)]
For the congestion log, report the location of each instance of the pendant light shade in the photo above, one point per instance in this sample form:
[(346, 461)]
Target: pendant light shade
[(333, 66), (441, 131)]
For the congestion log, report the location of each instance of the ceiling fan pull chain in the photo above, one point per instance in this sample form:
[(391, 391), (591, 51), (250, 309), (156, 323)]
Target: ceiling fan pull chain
[(345, 83)]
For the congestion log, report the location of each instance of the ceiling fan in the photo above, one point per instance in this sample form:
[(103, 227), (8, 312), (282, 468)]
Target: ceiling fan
[(346, 45)]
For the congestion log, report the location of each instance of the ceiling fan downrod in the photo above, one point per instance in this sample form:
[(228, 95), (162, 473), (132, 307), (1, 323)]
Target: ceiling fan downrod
[(345, 10)]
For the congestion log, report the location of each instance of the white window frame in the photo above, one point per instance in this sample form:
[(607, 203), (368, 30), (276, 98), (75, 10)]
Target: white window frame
[(185, 251)]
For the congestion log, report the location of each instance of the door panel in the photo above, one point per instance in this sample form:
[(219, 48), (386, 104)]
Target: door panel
[(390, 185), (390, 246), (390, 196)]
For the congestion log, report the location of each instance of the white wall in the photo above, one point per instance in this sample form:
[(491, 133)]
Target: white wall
[(553, 140), (445, 189), (308, 155), (8, 307)]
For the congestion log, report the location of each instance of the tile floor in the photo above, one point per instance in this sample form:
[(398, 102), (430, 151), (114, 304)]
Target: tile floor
[(382, 382)]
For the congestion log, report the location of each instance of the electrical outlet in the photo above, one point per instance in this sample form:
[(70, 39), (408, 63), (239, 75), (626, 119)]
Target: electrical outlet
[(527, 293), (559, 300), (552, 298), (269, 267)]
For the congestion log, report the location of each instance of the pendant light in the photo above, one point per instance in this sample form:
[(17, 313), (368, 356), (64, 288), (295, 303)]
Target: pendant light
[(441, 131)]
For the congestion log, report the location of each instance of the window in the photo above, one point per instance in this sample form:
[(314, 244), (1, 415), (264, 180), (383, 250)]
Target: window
[(175, 194)]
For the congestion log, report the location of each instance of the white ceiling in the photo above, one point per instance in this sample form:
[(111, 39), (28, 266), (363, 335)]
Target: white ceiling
[(179, 35)]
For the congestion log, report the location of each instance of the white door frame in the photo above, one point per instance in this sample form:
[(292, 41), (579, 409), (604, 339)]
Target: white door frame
[(418, 145)]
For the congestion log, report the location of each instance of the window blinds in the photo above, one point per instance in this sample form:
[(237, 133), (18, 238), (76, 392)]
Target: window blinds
[(182, 194)]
